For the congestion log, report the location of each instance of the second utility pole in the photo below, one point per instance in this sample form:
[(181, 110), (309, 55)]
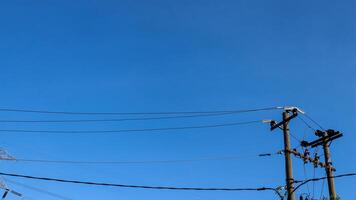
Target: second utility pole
[(288, 160), (329, 172), (325, 139)]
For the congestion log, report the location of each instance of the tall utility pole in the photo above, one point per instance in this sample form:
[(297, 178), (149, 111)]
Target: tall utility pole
[(329, 172), (288, 160), (284, 125), (325, 137)]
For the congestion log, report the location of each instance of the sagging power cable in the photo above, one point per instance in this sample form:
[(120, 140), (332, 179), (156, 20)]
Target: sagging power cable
[(132, 130), (134, 113), (303, 182), (136, 186), (116, 119), (139, 162)]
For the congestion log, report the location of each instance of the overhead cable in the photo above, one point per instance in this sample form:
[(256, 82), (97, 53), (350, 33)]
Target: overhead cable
[(140, 162), (306, 123), (134, 113), (302, 182), (116, 119), (136, 186), (131, 130), (314, 121)]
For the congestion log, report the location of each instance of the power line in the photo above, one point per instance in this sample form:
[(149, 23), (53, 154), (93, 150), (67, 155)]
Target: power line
[(306, 123), (322, 189), (133, 130), (295, 137), (314, 121), (117, 119), (136, 186), (313, 183), (305, 176), (302, 182), (133, 113), (140, 162)]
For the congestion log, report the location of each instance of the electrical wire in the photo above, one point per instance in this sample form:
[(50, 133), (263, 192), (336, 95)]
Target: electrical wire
[(52, 194), (322, 189), (305, 133), (295, 137), (133, 130), (139, 162), (305, 174), (134, 113), (314, 121), (306, 123), (304, 164), (316, 150), (136, 186), (313, 184), (117, 119), (302, 182)]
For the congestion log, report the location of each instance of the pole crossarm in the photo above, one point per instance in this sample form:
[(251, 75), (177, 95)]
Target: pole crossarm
[(325, 136), (275, 125)]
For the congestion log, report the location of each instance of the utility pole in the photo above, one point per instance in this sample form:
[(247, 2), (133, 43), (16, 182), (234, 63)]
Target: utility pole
[(288, 160), (284, 125), (325, 137), (329, 172)]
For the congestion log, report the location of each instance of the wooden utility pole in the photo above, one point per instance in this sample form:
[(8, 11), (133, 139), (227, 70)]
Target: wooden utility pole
[(329, 171), (284, 125), (288, 160), (325, 137)]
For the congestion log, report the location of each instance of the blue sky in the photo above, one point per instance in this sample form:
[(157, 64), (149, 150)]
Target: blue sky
[(132, 56)]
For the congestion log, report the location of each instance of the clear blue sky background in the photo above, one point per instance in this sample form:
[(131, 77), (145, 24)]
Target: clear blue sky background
[(175, 55)]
